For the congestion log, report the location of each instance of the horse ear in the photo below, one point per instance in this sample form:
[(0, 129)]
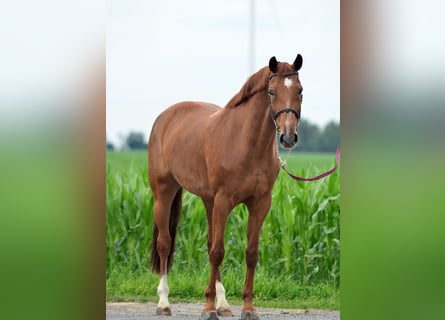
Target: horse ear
[(298, 62), (273, 64)]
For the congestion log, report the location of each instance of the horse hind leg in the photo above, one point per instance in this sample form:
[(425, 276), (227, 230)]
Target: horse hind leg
[(166, 216)]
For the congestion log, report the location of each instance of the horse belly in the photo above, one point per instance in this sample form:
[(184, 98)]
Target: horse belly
[(192, 178)]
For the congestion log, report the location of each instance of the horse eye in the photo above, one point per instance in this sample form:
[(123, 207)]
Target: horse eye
[(301, 91), (271, 93)]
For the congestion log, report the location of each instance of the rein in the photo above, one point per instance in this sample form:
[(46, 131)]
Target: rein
[(274, 115), (320, 176)]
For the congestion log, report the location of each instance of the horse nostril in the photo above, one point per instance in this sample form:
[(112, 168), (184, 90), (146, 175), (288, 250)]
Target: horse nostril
[(288, 140)]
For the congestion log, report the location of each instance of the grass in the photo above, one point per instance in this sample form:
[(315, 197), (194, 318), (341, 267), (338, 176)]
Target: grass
[(127, 161), (299, 247), (269, 292)]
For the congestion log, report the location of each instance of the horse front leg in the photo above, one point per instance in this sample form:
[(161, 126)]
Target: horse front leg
[(222, 306), (258, 210), (221, 209)]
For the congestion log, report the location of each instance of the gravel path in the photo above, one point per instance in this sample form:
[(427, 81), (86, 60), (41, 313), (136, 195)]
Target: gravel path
[(189, 311)]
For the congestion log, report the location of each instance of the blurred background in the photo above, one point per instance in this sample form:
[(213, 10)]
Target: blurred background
[(52, 135), (392, 109)]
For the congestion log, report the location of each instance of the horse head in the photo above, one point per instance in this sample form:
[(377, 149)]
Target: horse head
[(285, 97)]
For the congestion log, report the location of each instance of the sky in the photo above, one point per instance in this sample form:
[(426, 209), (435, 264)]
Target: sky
[(163, 52)]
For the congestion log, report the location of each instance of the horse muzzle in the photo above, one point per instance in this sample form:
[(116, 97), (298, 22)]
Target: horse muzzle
[(288, 140)]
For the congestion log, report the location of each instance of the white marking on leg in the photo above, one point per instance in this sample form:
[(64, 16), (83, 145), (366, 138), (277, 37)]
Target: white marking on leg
[(221, 296), (163, 291), (288, 82)]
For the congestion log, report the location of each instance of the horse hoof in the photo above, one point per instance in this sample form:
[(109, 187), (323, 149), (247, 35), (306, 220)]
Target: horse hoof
[(210, 315), (163, 311), (224, 312), (249, 315)]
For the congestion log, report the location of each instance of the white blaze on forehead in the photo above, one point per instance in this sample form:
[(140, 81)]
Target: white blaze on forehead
[(288, 82)]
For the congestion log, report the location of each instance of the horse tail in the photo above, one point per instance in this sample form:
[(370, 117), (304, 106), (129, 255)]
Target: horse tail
[(175, 211)]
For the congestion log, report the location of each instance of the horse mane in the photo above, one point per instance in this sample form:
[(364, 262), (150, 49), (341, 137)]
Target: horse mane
[(257, 82)]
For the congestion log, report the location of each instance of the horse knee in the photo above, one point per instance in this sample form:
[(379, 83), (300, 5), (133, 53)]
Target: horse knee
[(251, 257), (216, 256)]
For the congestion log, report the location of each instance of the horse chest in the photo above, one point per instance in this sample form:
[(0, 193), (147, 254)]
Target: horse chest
[(243, 184), (256, 185), (261, 182)]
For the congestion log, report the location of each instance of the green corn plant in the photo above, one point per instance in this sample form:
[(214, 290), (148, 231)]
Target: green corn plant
[(300, 237)]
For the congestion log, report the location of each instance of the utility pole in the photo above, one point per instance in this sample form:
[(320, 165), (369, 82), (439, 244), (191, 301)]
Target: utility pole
[(252, 38)]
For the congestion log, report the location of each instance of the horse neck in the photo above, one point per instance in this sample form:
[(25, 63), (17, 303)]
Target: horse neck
[(257, 130)]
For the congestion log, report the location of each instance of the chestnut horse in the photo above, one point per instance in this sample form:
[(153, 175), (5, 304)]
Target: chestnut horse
[(226, 156)]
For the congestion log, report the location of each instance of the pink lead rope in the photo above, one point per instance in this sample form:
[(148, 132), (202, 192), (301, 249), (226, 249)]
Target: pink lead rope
[(337, 159)]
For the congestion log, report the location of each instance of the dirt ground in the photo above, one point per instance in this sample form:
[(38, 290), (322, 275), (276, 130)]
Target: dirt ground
[(186, 311)]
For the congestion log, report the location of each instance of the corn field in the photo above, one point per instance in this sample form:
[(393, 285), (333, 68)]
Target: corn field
[(300, 237)]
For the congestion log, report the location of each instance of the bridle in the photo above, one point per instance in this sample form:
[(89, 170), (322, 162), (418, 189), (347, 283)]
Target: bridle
[(274, 114)]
